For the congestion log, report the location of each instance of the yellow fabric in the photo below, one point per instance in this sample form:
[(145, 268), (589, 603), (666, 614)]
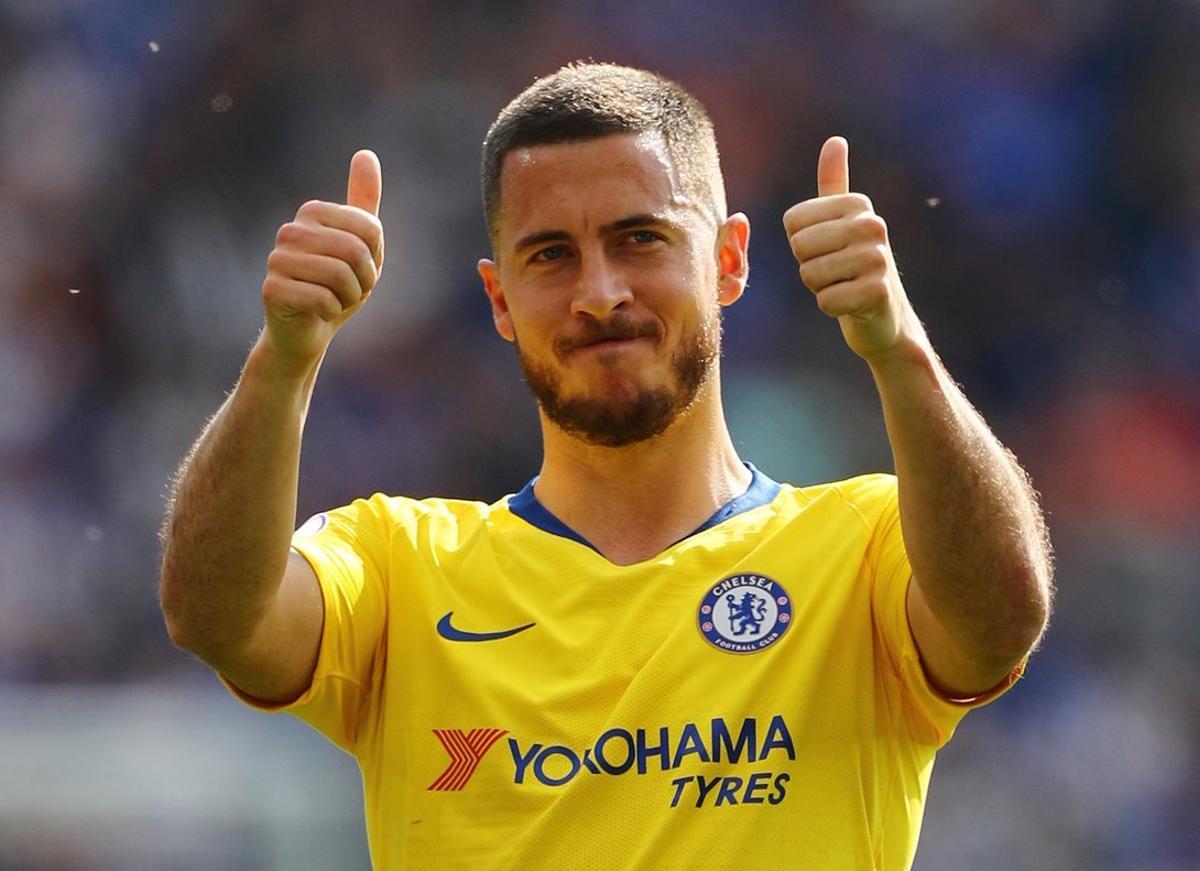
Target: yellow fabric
[(612, 734)]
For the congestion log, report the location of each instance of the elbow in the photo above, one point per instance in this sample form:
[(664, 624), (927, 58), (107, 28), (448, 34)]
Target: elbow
[(1025, 636), (180, 613), (1032, 597), (194, 624), (1040, 585), (178, 631), (1034, 582), (174, 614), (188, 634), (178, 603)]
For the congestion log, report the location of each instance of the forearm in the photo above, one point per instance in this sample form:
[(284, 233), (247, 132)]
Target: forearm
[(971, 522), (233, 508)]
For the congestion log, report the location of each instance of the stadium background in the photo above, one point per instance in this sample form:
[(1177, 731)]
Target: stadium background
[(1039, 166)]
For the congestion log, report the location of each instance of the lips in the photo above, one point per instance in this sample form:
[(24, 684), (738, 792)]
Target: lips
[(605, 344), (603, 339)]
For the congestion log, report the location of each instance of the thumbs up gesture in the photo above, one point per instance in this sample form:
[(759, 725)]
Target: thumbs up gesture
[(846, 260), (324, 265)]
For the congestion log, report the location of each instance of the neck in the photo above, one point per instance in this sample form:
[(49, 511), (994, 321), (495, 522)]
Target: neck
[(633, 502)]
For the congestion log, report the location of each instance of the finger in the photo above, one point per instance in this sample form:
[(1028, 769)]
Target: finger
[(364, 189), (862, 229), (291, 298), (842, 266), (820, 239), (818, 209), (833, 167), (860, 297), (352, 219), (303, 236), (318, 269)]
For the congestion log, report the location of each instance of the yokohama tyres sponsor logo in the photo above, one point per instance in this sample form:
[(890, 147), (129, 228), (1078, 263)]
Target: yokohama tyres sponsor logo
[(466, 749), (731, 747)]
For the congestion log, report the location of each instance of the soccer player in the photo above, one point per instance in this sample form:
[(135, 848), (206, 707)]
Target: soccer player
[(652, 656)]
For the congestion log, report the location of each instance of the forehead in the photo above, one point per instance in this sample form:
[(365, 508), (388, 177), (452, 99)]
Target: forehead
[(577, 187)]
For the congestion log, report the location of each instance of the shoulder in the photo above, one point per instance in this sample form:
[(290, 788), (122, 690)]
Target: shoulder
[(406, 510), (434, 516), (849, 509), (867, 492), (866, 495)]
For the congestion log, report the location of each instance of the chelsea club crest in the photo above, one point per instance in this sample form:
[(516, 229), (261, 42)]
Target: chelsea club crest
[(745, 613)]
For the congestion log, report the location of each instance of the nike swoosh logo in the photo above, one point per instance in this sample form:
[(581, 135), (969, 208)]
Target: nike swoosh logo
[(450, 633)]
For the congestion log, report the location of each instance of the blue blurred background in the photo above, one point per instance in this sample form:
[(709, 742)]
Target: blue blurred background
[(1038, 164)]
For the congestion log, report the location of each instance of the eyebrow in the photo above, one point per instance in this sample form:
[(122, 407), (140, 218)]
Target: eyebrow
[(642, 220), (541, 238)]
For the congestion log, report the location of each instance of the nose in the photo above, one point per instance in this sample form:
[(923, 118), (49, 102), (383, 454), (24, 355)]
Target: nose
[(600, 288)]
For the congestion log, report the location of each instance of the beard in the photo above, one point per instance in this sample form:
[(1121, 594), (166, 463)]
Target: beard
[(617, 422)]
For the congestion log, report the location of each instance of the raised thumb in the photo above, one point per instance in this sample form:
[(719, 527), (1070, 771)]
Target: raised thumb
[(833, 167), (364, 189)]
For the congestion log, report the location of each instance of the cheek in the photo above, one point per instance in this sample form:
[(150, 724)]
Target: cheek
[(697, 268), (531, 316), (694, 285)]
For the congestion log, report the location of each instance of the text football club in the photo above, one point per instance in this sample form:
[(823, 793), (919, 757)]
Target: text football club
[(744, 613), (620, 752)]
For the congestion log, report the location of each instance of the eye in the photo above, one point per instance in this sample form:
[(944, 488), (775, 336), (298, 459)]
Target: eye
[(546, 255), (644, 237)]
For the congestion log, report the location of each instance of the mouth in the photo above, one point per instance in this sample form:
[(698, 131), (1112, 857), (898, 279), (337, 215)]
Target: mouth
[(621, 334), (609, 346)]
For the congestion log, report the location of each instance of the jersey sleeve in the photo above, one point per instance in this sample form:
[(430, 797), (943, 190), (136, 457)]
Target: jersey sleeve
[(891, 575), (348, 551)]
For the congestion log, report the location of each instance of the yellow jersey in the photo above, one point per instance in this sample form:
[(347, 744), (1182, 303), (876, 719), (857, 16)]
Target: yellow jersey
[(750, 698)]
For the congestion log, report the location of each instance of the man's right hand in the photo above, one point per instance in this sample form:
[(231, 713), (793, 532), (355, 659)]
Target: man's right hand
[(323, 268)]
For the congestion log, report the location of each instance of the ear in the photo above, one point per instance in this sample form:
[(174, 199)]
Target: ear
[(490, 273), (733, 258)]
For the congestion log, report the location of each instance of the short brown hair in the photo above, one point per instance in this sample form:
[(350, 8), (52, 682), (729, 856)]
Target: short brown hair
[(589, 100)]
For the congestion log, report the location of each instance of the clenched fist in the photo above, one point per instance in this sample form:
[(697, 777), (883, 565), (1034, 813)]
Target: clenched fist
[(846, 260), (324, 265)]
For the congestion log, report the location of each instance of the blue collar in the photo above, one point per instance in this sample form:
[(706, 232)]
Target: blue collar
[(762, 491)]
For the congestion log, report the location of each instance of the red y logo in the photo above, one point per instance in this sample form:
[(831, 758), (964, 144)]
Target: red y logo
[(466, 749)]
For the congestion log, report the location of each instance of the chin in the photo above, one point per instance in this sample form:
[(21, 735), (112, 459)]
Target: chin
[(619, 408), (635, 417)]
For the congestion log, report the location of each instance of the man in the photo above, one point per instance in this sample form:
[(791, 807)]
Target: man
[(652, 656)]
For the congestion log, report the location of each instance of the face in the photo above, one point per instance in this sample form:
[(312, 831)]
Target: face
[(609, 280)]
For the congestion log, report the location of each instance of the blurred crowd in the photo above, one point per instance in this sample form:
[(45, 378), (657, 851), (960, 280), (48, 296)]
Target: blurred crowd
[(1038, 164)]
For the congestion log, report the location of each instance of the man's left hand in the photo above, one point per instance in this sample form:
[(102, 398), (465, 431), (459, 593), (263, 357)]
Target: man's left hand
[(846, 260)]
